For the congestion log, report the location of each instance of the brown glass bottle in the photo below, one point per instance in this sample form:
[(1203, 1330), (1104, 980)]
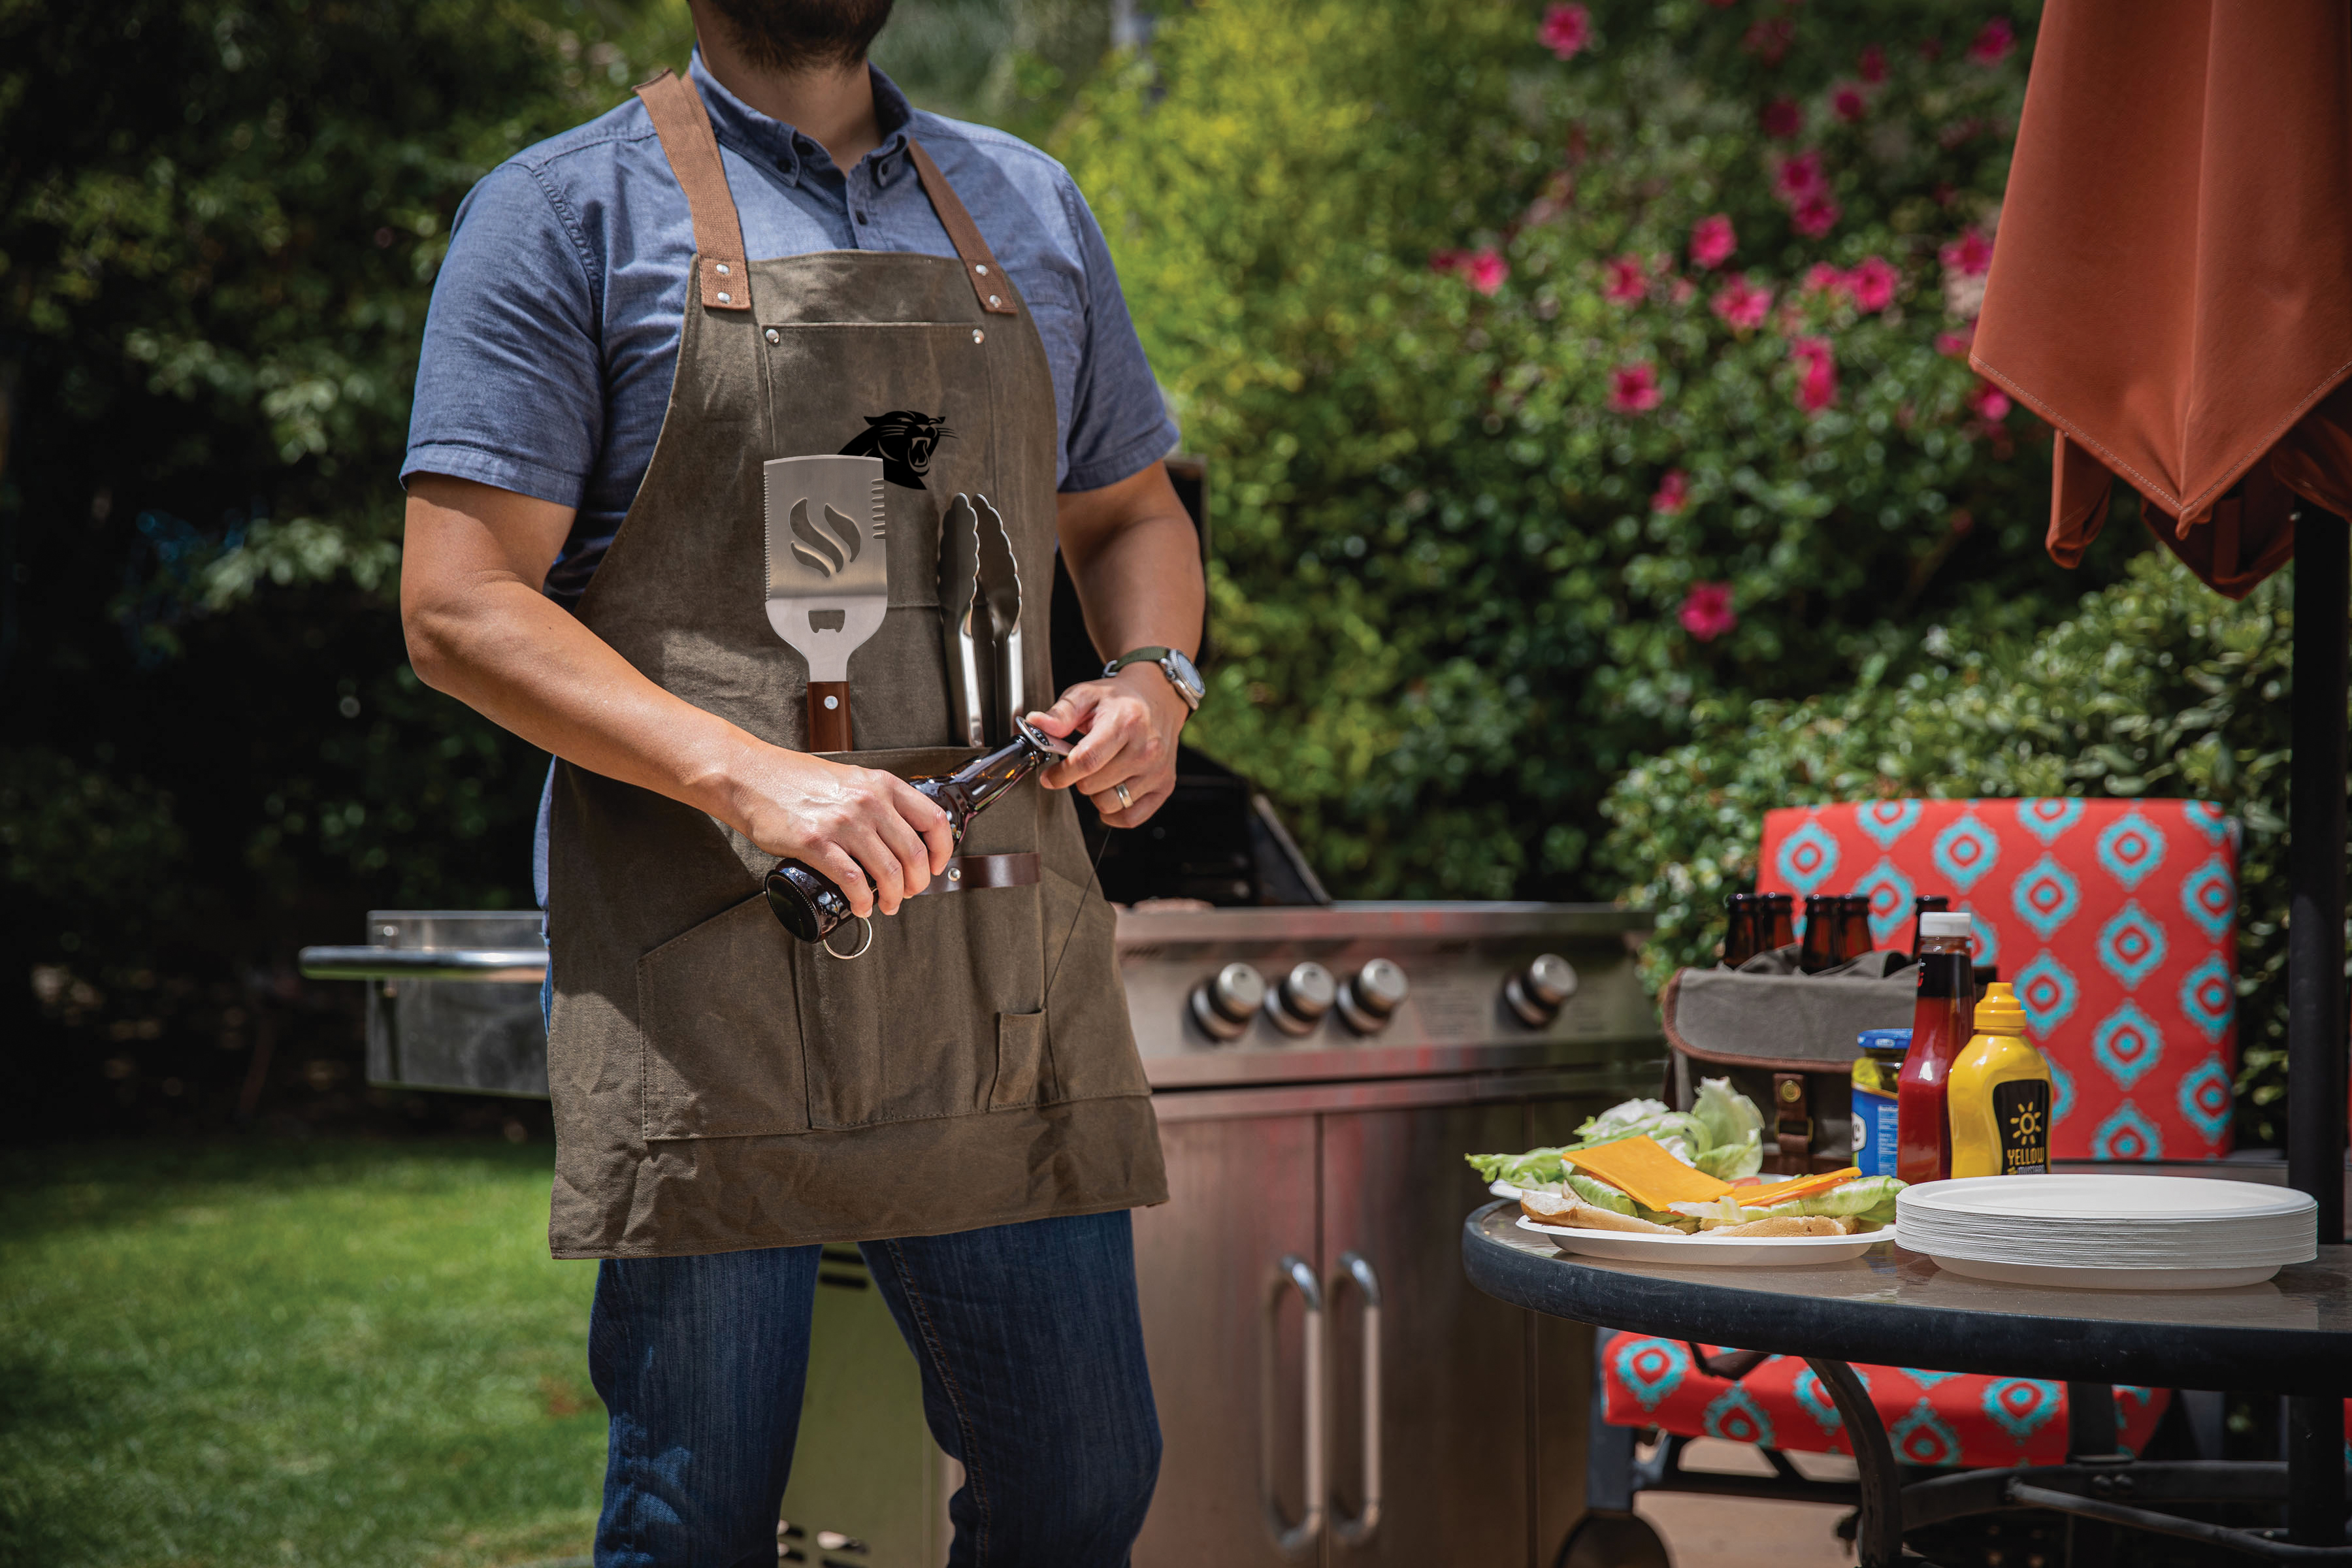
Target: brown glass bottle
[(1776, 923), (1820, 949), (1854, 926), (1740, 932), (812, 904), (1925, 904)]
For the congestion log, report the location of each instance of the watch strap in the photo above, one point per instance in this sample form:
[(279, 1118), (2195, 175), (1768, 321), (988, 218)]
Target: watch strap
[(1134, 656)]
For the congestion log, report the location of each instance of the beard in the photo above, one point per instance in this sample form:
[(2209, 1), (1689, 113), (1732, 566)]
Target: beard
[(793, 36)]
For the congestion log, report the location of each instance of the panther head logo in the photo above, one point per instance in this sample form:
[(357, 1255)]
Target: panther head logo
[(904, 440)]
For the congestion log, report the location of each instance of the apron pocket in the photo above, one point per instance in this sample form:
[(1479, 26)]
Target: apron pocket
[(1020, 1053), (720, 1023), (910, 1031), (1089, 1037)]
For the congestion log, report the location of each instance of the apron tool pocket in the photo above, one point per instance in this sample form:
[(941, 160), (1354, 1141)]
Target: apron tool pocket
[(1089, 1040), (720, 1028), (910, 1031)]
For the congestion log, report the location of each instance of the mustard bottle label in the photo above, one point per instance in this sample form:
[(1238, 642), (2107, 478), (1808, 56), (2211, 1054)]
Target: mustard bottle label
[(2021, 1114)]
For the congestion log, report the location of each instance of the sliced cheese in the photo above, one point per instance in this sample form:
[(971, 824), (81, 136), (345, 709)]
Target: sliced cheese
[(1644, 1172), (1798, 1187)]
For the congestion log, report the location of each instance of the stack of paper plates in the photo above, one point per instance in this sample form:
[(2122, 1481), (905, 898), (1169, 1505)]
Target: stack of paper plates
[(2118, 1232)]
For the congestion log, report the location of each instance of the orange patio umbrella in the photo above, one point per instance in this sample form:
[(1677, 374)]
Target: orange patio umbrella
[(2171, 289)]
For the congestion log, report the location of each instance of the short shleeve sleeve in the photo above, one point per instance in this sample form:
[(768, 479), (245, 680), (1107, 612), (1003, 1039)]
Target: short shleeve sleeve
[(509, 388), (1118, 421)]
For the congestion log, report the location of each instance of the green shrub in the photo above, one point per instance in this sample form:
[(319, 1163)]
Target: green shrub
[(2156, 685), (1392, 260)]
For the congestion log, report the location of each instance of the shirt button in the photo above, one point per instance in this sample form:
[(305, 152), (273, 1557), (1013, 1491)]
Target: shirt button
[(861, 217)]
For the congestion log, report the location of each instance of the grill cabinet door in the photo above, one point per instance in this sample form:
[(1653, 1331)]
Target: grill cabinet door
[(1480, 1405), (1241, 1197)]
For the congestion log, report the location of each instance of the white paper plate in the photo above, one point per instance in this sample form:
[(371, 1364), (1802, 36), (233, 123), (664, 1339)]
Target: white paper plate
[(2136, 1225), (2078, 1278), (1706, 1251)]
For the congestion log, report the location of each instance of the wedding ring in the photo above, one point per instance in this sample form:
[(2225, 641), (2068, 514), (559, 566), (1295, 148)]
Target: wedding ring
[(1120, 790)]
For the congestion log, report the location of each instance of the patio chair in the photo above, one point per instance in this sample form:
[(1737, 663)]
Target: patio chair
[(2117, 920)]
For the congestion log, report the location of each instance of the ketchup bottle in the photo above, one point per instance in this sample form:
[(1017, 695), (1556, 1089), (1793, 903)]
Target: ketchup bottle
[(1941, 1022)]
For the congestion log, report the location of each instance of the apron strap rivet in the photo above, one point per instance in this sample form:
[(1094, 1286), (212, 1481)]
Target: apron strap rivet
[(724, 298), (775, 336), (981, 268), (992, 299), (978, 336), (722, 269)]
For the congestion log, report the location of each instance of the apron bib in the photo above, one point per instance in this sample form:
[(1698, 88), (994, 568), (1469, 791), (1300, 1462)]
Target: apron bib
[(717, 1084)]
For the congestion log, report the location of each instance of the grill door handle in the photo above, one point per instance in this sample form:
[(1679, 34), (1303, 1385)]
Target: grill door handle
[(1356, 1266), (1295, 1539)]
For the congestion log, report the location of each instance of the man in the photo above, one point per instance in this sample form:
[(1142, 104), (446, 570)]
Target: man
[(776, 259)]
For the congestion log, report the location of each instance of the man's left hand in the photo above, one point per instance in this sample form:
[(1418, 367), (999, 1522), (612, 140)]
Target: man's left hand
[(1131, 721)]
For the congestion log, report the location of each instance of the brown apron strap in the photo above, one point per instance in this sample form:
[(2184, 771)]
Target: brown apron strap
[(684, 126), (979, 261), (969, 873)]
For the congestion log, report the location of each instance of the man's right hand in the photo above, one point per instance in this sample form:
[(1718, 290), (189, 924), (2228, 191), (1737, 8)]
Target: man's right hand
[(851, 824)]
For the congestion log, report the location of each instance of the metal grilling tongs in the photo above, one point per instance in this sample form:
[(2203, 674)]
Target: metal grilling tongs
[(980, 620)]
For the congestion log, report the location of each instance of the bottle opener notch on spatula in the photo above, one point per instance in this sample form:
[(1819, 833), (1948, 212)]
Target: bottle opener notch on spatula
[(828, 574)]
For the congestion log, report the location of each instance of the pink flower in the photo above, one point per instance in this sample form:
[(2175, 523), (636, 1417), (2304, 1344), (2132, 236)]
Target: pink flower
[(1874, 64), (1847, 103), (1712, 241), (1769, 38), (1633, 389), (1566, 30), (1742, 304), (1781, 118), (1993, 44), (1624, 282), (1990, 402), (1815, 216), (1799, 178), (1673, 493), (1817, 384), (1872, 284), (1971, 256), (1486, 270), (1706, 612), (1955, 345)]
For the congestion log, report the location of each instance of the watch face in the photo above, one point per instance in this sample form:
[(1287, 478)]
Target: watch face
[(1180, 670)]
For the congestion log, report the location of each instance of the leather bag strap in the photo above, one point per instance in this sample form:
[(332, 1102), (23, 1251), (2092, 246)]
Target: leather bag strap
[(979, 261), (684, 126)]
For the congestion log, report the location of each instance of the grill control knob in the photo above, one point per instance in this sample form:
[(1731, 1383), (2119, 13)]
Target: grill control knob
[(1304, 995), (1372, 995), (1536, 993), (1221, 1005)]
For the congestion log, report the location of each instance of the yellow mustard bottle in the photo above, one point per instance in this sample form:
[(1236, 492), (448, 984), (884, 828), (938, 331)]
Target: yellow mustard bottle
[(1999, 1101)]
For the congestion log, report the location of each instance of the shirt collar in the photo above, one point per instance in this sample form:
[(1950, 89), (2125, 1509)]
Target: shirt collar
[(751, 132)]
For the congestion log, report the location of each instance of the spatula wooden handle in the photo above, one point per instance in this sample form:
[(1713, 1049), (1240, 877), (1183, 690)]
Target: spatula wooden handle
[(828, 716)]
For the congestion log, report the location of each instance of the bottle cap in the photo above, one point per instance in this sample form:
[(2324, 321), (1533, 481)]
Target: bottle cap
[(1935, 923), (1998, 1011)]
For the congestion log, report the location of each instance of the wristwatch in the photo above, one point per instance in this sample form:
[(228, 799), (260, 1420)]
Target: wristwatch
[(1173, 664)]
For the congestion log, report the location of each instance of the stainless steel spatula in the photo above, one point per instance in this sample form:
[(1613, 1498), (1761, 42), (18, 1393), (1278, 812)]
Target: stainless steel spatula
[(828, 575)]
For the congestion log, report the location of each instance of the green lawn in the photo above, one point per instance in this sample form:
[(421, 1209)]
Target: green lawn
[(320, 1355)]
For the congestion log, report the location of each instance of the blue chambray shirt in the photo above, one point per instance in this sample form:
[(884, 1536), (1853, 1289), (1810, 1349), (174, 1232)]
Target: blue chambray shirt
[(552, 336)]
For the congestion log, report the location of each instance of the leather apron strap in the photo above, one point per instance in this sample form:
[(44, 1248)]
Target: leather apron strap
[(683, 124)]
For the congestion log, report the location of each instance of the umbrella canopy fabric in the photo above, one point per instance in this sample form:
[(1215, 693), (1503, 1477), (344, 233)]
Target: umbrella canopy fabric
[(2171, 283)]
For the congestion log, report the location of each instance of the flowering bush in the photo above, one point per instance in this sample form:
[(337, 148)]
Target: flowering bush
[(1562, 366)]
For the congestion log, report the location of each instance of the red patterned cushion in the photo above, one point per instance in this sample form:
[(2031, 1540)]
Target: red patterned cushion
[(2117, 920), (1933, 1417)]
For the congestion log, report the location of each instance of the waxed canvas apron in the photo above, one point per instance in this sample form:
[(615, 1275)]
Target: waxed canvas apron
[(717, 1084)]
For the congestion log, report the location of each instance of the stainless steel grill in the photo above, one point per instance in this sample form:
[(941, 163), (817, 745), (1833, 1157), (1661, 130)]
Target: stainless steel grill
[(1330, 1388)]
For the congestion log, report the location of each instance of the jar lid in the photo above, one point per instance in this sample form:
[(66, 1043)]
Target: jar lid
[(1937, 922), (1886, 1039)]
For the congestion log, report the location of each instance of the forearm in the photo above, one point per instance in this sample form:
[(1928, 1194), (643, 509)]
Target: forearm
[(1139, 577), (505, 651)]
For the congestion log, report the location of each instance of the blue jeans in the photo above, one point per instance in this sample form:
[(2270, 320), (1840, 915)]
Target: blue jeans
[(1032, 1358)]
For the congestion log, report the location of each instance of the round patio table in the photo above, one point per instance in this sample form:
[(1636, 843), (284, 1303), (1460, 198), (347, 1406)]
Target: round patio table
[(2289, 1336)]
